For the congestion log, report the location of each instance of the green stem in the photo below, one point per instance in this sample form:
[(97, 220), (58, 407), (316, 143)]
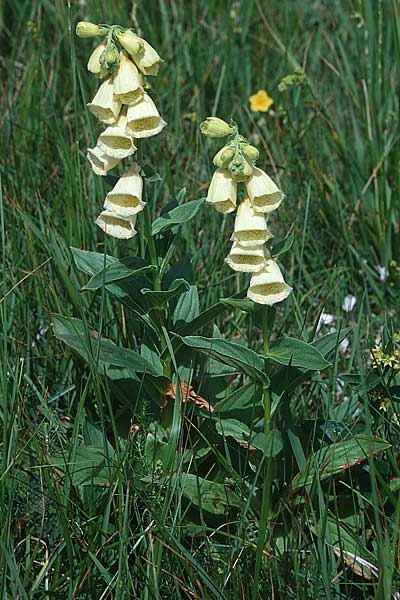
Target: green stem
[(268, 471)]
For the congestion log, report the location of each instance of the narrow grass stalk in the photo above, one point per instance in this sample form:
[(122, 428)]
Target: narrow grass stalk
[(267, 485)]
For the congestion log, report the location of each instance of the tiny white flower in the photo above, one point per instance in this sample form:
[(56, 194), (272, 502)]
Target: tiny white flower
[(264, 194), (125, 199), (325, 319), (115, 226), (382, 273), (248, 259), (222, 191), (101, 163), (144, 119), (344, 345), (268, 286), (250, 226), (126, 83), (349, 303), (115, 141), (104, 106)]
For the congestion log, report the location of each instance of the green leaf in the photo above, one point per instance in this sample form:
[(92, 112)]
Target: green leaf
[(279, 247), (91, 262), (159, 299), (213, 497), (121, 269), (269, 443), (187, 307), (177, 216), (239, 303), (103, 352), (233, 428), (297, 353), (90, 465), (335, 458), (246, 398), (229, 353)]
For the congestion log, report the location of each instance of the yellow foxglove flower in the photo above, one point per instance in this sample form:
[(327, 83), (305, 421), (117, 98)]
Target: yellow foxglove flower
[(268, 285), (131, 42), (125, 199), (147, 59), (94, 64), (222, 192), (103, 105), (250, 226), (144, 119), (263, 192), (85, 29), (100, 162), (115, 141), (115, 226), (127, 86), (247, 259)]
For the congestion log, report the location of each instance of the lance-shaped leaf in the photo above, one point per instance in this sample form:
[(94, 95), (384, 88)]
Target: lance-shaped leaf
[(335, 458), (122, 269), (159, 299), (214, 497), (104, 353), (229, 353), (297, 353), (181, 214)]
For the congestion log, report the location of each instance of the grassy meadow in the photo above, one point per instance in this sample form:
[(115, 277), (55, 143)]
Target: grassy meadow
[(111, 488)]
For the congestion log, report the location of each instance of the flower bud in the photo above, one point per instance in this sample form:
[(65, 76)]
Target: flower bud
[(216, 128), (224, 156), (84, 29), (250, 152), (240, 168), (131, 42), (94, 65), (110, 57)]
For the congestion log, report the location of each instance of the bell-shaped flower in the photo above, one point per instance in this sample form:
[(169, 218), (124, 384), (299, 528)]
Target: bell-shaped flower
[(125, 199), (263, 192), (126, 83), (101, 163), (247, 259), (94, 64), (268, 286), (250, 226), (104, 106), (144, 119), (222, 192), (115, 141), (118, 227), (144, 55)]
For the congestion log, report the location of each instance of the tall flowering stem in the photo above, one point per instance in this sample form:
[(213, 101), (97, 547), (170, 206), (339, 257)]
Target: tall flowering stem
[(235, 163)]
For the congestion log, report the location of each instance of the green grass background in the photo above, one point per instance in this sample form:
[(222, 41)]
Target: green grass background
[(331, 142)]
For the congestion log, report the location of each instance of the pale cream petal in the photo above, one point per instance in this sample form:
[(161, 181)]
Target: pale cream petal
[(268, 286), (263, 192), (250, 226), (115, 226), (148, 60), (94, 65), (100, 162), (103, 105), (125, 199), (115, 141), (222, 192), (248, 259), (144, 119), (126, 83)]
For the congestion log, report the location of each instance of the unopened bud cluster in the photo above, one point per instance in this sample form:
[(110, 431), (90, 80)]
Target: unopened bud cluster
[(235, 164), (122, 59)]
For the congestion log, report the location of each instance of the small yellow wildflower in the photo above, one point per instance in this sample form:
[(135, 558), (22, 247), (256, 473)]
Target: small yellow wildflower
[(261, 102)]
